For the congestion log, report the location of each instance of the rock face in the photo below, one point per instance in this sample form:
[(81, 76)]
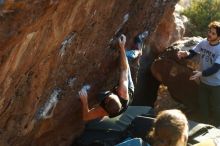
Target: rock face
[(49, 50), (170, 29), (175, 73)]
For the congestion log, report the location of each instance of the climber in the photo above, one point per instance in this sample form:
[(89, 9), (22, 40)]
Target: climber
[(112, 103)]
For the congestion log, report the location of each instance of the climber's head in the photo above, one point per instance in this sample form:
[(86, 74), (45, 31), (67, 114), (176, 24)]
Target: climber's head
[(111, 102)]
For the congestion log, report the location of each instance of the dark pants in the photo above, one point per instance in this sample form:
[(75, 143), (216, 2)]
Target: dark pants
[(209, 102)]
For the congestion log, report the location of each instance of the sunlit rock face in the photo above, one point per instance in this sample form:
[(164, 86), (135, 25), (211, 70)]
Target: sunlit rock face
[(49, 50), (170, 29), (175, 73)]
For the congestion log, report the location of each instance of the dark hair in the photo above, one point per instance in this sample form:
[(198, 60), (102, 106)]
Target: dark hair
[(113, 106), (216, 25)]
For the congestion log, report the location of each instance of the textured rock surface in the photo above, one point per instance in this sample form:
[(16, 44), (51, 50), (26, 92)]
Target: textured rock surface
[(49, 50), (175, 73), (170, 29)]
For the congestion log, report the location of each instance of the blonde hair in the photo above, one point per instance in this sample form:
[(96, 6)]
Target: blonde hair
[(175, 121)]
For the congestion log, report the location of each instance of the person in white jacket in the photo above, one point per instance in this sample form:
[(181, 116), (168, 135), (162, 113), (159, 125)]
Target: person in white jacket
[(209, 74)]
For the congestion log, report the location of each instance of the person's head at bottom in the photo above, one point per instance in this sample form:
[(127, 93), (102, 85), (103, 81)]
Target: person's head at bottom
[(170, 129)]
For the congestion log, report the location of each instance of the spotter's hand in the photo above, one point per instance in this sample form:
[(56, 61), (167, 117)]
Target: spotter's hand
[(196, 75), (182, 54)]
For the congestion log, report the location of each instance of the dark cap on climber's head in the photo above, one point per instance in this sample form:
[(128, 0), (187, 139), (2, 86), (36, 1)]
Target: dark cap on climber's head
[(103, 94)]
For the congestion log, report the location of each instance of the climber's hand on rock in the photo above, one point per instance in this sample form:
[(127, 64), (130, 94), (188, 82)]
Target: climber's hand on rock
[(83, 95), (122, 41)]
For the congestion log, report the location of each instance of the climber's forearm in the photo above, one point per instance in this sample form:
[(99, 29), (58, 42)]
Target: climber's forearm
[(124, 66), (85, 109), (123, 60)]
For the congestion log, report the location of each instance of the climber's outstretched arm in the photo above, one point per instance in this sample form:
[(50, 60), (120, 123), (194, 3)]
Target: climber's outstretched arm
[(124, 66), (89, 114)]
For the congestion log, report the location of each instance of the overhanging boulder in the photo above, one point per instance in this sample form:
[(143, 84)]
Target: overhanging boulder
[(49, 50), (175, 73)]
